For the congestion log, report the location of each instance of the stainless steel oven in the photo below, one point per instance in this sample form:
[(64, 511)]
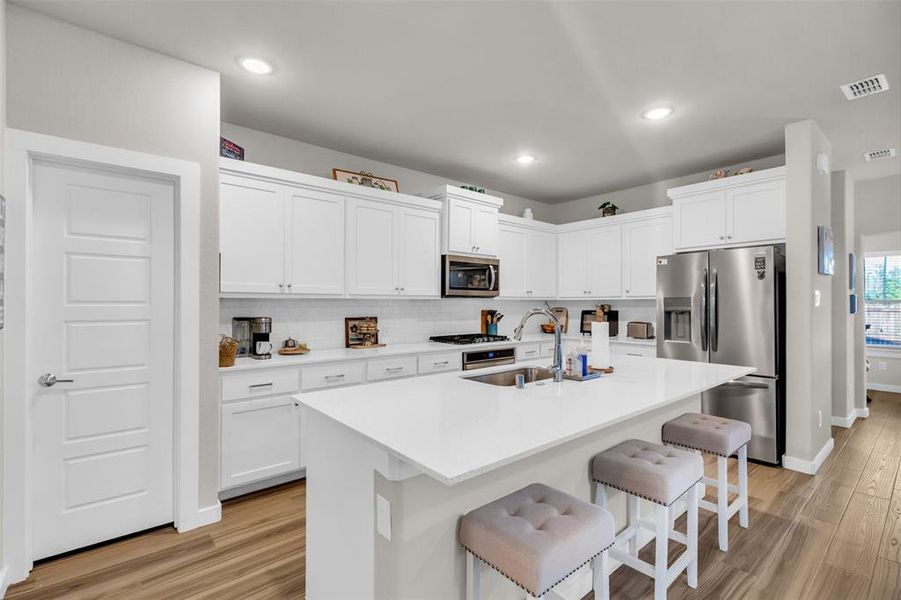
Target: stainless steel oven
[(479, 359), (469, 276)]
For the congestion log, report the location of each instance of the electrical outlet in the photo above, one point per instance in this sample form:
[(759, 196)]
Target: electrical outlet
[(820, 418), (882, 365), (383, 516)]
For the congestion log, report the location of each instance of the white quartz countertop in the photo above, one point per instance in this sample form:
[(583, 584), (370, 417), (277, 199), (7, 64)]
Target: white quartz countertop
[(343, 354), (453, 429)]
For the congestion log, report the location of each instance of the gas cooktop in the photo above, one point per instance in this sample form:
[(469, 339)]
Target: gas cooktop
[(468, 338)]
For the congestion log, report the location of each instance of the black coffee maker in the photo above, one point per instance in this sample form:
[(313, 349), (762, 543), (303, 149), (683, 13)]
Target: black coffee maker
[(260, 347)]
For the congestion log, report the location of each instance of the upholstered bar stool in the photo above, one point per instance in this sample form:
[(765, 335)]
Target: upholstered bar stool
[(536, 538), (662, 475), (723, 438)]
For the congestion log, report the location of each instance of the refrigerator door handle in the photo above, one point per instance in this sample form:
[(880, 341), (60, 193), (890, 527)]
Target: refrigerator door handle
[(712, 318), (747, 384), (704, 311)]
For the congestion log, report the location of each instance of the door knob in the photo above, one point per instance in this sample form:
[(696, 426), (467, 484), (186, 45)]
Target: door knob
[(50, 380)]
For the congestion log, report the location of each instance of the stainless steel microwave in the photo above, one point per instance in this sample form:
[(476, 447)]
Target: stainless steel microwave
[(469, 276)]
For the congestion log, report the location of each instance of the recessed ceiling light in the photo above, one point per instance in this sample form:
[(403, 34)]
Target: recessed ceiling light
[(525, 159), (657, 113), (256, 66)]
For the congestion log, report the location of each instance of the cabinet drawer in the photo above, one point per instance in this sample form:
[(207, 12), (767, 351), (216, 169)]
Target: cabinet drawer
[(333, 375), (260, 439), (547, 349), (528, 352), (389, 368), (264, 382), (437, 363), (633, 350)]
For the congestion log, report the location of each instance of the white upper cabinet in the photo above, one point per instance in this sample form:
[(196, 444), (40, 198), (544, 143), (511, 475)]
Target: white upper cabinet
[(572, 264), (527, 251), (643, 242), (469, 221), (734, 211), (418, 252), (251, 236), (316, 246), (605, 262)]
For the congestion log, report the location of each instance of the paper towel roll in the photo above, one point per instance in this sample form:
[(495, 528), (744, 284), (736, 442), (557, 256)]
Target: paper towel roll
[(600, 345)]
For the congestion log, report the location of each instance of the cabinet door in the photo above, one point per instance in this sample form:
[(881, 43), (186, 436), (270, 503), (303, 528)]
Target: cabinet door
[(260, 439), (460, 227), (418, 252), (756, 213), (251, 236), (511, 251), (486, 231), (315, 243), (643, 242), (371, 239), (541, 260), (572, 265), (605, 269), (700, 221)]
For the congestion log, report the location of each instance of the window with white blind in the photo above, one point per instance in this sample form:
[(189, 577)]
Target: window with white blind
[(882, 295)]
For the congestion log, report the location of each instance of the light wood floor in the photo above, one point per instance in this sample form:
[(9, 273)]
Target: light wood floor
[(835, 535)]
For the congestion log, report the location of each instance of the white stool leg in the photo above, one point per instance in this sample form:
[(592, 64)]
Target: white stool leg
[(743, 485), (473, 576), (661, 552), (600, 578), (600, 495), (722, 502), (692, 533), (632, 521)]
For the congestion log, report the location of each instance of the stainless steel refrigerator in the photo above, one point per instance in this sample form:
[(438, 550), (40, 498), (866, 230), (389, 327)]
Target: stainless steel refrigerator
[(728, 307)]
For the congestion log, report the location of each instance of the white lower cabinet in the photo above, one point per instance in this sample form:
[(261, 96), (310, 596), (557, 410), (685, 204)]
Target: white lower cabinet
[(439, 363), (317, 377), (260, 440), (391, 368), (633, 350), (528, 352)]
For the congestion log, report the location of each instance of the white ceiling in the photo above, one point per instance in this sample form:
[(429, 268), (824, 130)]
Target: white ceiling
[(458, 89)]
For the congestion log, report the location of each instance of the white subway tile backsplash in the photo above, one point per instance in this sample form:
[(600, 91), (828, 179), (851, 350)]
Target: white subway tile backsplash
[(320, 322)]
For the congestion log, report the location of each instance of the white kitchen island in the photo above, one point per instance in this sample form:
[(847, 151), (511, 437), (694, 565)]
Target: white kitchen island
[(409, 457)]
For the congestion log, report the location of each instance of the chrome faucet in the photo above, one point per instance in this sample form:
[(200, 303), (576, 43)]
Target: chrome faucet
[(557, 367)]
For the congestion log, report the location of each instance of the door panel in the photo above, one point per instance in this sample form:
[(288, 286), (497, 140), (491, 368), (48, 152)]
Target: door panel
[(371, 235), (485, 238), (315, 257), (511, 251), (251, 236), (752, 400), (103, 305), (605, 268), (572, 269), (643, 242), (743, 308), (541, 258), (260, 439), (700, 221), (756, 212), (460, 227), (681, 306), (418, 253)]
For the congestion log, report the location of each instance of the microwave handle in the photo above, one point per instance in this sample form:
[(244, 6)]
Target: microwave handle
[(493, 282)]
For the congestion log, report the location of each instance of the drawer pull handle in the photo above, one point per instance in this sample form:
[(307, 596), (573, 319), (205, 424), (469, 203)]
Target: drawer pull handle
[(393, 369), (338, 376), (260, 385), (440, 364), (632, 354)]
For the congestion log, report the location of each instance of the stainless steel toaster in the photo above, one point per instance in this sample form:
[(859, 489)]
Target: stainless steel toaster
[(641, 330)]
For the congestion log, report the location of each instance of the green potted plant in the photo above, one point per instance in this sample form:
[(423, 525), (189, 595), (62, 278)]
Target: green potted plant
[(608, 209)]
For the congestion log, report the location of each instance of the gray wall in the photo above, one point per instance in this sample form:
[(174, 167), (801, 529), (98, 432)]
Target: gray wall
[(878, 205), (843, 363), (275, 151), (808, 329), (651, 195), (3, 192), (70, 82)]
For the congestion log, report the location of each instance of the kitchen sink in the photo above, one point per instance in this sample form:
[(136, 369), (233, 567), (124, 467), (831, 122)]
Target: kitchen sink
[(508, 378)]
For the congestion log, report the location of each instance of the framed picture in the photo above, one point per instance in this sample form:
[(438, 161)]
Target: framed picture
[(229, 149), (361, 332), (826, 252), (365, 179)]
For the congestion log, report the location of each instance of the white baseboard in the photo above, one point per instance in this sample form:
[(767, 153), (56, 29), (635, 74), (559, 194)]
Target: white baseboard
[(204, 516), (844, 421), (4, 581), (808, 466), (884, 387), (862, 413)]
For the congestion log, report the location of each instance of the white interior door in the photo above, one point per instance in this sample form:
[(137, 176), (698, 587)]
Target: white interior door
[(102, 311)]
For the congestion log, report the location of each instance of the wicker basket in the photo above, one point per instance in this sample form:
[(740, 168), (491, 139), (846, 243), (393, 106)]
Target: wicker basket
[(228, 350)]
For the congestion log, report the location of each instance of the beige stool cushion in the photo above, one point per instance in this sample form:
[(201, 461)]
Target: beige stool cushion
[(538, 536), (707, 433), (657, 473)]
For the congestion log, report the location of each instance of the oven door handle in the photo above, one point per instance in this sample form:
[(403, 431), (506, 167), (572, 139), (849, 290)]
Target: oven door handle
[(493, 280)]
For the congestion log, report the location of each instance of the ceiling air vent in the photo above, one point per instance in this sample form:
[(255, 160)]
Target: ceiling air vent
[(865, 87), (877, 154)]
